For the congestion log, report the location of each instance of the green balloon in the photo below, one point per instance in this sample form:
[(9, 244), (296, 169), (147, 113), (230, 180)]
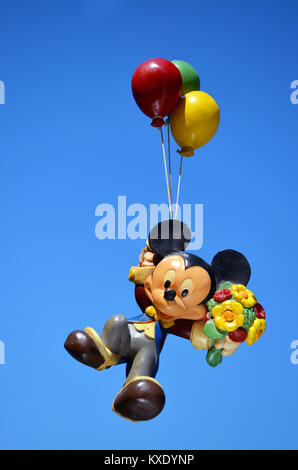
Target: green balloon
[(190, 78)]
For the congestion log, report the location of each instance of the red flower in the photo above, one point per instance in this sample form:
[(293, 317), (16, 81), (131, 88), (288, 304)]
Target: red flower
[(223, 294), (259, 311), (238, 336)]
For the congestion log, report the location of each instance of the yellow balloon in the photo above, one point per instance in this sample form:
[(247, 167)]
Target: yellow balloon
[(194, 121)]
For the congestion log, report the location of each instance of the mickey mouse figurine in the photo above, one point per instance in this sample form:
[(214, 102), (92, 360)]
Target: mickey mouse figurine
[(178, 293)]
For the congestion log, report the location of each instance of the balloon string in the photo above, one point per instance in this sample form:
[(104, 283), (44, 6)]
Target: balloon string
[(170, 169), (178, 190), (166, 170)]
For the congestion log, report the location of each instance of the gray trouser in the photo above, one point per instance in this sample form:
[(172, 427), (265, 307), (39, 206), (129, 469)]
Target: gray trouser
[(133, 346)]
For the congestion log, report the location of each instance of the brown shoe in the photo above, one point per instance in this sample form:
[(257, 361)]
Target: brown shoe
[(87, 347), (142, 398), (82, 347)]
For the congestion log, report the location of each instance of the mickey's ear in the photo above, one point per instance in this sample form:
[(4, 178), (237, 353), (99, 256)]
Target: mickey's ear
[(168, 237), (231, 266)]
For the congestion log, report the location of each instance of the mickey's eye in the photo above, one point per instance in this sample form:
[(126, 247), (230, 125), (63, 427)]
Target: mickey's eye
[(168, 278), (186, 287)]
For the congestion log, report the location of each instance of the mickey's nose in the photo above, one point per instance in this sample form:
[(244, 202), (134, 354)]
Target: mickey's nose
[(169, 295)]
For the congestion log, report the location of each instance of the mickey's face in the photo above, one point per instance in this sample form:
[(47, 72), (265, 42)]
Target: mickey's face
[(176, 291)]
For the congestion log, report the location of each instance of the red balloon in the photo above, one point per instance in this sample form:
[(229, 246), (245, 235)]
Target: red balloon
[(156, 86)]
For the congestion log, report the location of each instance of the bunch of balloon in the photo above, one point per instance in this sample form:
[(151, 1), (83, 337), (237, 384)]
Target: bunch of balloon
[(172, 89)]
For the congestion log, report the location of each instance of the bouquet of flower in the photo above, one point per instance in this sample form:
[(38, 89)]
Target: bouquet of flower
[(233, 312)]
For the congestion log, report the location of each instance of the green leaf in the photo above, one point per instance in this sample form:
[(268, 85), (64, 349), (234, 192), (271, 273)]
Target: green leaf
[(225, 285), (214, 357), (210, 304), (211, 331)]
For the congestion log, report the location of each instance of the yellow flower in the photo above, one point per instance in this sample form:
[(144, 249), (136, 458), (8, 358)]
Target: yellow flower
[(256, 330), (228, 315), (243, 295)]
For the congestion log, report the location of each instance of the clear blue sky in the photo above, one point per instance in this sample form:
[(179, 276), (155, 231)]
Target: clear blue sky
[(72, 137)]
